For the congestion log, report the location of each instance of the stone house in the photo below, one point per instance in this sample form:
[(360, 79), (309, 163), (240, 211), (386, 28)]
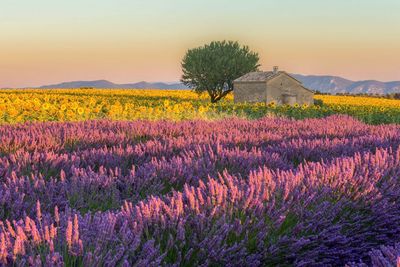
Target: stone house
[(271, 86)]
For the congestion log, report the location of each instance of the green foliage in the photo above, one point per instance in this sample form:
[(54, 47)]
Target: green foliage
[(318, 102), (212, 68)]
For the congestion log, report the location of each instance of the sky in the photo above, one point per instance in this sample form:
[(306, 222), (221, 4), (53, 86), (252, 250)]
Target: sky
[(51, 41)]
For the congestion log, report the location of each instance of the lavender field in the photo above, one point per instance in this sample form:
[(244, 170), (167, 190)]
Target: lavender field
[(233, 192)]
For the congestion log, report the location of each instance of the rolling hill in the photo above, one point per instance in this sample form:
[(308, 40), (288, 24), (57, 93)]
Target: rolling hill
[(322, 83), (335, 84), (108, 84)]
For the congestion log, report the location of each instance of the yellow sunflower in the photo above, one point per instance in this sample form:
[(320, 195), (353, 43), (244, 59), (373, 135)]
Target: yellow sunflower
[(46, 106), (80, 111)]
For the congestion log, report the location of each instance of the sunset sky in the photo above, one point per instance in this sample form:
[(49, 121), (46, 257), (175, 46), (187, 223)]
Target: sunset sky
[(51, 41)]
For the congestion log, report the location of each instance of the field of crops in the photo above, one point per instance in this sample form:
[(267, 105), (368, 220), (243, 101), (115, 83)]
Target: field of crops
[(87, 104), (84, 183)]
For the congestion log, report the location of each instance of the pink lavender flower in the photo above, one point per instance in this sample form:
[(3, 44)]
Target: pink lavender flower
[(37, 239), (68, 233), (3, 249), (19, 247), (76, 230), (56, 215)]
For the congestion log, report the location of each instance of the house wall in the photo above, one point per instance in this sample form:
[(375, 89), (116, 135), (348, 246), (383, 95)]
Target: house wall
[(249, 92), (283, 84)]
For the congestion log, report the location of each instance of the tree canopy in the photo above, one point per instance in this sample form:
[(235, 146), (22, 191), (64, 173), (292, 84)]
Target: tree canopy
[(212, 68)]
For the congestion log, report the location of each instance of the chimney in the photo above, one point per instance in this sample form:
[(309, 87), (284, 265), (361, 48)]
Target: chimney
[(275, 69)]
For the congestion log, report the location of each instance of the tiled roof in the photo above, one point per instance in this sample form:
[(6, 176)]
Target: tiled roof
[(256, 76), (263, 76)]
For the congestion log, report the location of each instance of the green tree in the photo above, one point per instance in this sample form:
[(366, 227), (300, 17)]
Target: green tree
[(212, 68)]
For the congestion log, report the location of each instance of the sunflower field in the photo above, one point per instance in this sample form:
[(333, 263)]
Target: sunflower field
[(18, 106)]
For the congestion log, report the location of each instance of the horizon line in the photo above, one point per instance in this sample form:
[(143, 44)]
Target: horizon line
[(179, 82)]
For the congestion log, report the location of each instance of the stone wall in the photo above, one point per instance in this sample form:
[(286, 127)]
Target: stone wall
[(284, 85), (273, 91), (249, 92)]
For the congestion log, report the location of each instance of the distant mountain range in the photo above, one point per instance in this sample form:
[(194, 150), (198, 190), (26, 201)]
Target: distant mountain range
[(325, 84), (108, 84), (335, 84)]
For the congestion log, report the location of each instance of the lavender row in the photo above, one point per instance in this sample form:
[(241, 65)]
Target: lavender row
[(384, 256), (319, 214), (166, 134), (109, 163), (233, 192)]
